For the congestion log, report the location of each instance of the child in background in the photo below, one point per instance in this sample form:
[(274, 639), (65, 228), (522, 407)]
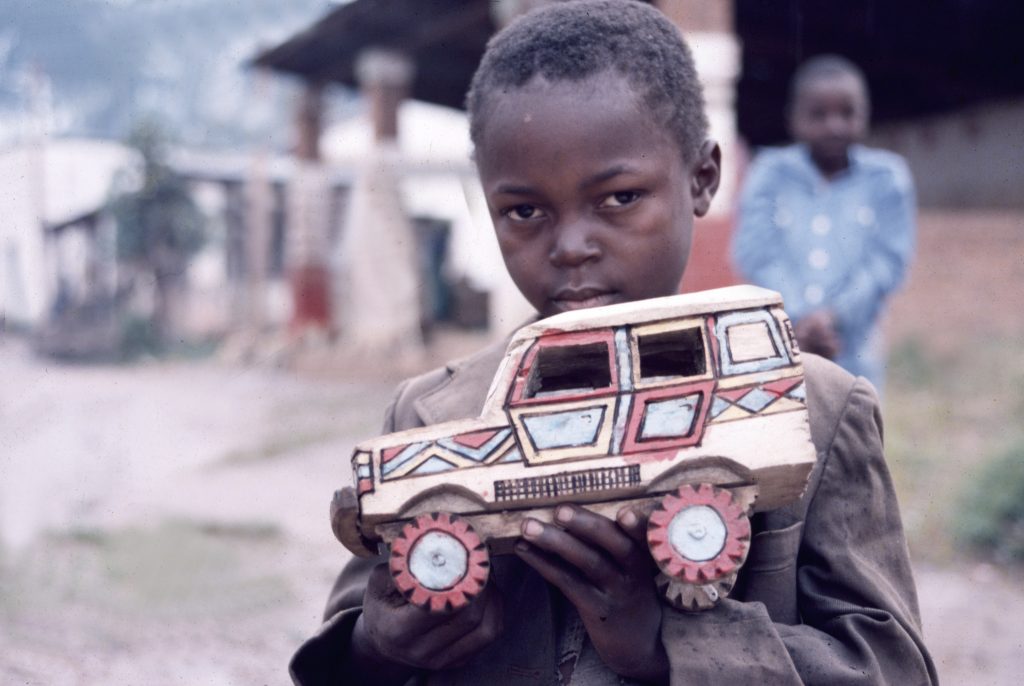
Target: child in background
[(827, 222), (591, 144)]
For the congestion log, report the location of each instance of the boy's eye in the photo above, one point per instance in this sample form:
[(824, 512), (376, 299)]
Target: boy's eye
[(620, 199), (521, 213)]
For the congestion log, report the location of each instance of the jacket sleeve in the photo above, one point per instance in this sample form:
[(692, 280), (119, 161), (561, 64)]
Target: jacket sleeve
[(322, 660), (858, 608)]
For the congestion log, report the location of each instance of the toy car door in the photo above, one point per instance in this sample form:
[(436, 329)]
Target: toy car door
[(562, 403), (672, 380)]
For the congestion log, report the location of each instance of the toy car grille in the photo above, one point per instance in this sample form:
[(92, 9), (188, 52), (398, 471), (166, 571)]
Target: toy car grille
[(573, 483)]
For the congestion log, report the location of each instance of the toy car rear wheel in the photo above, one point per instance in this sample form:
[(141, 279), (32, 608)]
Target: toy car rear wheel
[(438, 562), (699, 537)]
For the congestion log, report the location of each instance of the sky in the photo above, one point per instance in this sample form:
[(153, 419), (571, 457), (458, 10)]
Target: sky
[(95, 67)]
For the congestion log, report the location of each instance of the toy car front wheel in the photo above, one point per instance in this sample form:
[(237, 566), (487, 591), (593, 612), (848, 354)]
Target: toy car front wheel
[(699, 537), (439, 562)]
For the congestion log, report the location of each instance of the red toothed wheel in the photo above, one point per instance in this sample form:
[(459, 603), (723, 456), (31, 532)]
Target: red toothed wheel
[(698, 535), (438, 562)]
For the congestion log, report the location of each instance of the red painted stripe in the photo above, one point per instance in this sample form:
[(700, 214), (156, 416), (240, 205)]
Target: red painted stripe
[(389, 453), (782, 386), (734, 394), (365, 486), (475, 439)]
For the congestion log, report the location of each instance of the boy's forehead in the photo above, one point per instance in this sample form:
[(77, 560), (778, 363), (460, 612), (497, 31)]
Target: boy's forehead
[(827, 84), (538, 105)]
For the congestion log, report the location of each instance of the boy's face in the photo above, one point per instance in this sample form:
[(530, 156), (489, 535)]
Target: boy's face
[(829, 115), (591, 199)]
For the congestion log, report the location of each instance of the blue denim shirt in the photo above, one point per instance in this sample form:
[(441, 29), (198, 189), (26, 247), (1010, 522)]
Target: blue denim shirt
[(841, 244)]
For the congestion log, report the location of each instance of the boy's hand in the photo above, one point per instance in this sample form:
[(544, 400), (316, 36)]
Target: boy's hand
[(604, 569), (392, 638), (816, 333)]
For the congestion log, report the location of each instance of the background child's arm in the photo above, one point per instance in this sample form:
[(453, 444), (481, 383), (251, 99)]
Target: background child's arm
[(817, 334), (605, 570)]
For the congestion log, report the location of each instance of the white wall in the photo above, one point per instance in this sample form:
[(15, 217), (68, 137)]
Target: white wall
[(47, 182), (972, 158)]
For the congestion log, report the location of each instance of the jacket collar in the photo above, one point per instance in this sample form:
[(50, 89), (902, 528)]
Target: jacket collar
[(463, 392)]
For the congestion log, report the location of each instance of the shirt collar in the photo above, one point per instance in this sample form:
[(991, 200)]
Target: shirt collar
[(856, 156)]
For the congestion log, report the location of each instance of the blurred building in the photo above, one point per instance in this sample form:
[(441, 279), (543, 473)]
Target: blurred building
[(56, 245), (383, 212), (427, 50)]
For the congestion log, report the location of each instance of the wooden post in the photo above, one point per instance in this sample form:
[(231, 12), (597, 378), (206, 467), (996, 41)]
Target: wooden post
[(258, 207), (308, 220), (377, 296)]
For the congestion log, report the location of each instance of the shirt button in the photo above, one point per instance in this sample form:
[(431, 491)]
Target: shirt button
[(818, 258), (814, 294), (866, 216), (821, 225)]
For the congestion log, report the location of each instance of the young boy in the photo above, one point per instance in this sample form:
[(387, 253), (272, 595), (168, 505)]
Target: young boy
[(828, 222), (590, 138)]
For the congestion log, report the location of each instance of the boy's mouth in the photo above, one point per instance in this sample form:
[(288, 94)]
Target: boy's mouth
[(581, 298)]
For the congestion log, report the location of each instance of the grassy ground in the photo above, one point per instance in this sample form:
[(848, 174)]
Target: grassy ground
[(956, 376), (948, 415)]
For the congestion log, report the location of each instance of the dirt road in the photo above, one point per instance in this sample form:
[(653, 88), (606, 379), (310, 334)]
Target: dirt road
[(166, 523)]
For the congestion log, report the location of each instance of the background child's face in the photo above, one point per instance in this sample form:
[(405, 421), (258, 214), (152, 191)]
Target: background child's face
[(591, 199), (829, 115)]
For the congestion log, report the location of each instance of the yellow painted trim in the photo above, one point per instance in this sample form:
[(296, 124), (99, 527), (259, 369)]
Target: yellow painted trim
[(662, 327), (598, 448)]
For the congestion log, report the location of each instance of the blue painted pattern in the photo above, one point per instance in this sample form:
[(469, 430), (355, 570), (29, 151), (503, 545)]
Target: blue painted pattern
[(572, 428), (476, 454), (670, 418), (756, 400), (401, 458)]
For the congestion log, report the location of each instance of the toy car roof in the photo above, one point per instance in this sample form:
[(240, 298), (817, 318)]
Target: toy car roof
[(653, 310)]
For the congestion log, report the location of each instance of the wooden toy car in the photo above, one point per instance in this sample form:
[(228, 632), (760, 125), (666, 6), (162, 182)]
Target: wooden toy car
[(690, 407)]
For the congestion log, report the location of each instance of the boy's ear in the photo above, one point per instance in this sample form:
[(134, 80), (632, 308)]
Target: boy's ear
[(705, 175)]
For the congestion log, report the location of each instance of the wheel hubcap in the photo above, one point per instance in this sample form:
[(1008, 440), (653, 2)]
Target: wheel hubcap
[(697, 533), (438, 561)]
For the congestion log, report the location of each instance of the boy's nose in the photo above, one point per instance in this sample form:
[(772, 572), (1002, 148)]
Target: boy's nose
[(574, 245), (836, 124)]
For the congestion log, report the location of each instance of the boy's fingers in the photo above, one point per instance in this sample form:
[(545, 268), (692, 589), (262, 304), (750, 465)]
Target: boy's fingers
[(633, 523), (596, 530), (569, 581), (575, 549), (413, 636), (456, 652)]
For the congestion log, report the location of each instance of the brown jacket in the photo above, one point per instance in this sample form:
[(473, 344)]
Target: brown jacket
[(826, 595)]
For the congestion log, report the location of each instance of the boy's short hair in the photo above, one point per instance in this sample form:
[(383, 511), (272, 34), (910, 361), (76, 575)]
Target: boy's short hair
[(573, 40), (824, 67)]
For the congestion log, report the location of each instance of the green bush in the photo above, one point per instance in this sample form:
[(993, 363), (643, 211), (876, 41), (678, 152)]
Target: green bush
[(139, 337), (991, 511)]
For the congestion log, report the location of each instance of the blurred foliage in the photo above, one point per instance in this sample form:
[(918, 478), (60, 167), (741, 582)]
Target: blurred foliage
[(991, 509), (946, 416), (159, 226), (139, 337), (910, 365)]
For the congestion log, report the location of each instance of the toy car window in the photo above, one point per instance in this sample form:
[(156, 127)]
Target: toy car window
[(753, 341), (570, 368), (749, 342), (672, 353)]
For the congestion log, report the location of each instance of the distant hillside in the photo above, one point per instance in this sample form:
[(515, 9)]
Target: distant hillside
[(97, 65)]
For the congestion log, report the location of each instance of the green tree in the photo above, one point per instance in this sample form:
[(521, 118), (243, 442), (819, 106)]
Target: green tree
[(159, 226)]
